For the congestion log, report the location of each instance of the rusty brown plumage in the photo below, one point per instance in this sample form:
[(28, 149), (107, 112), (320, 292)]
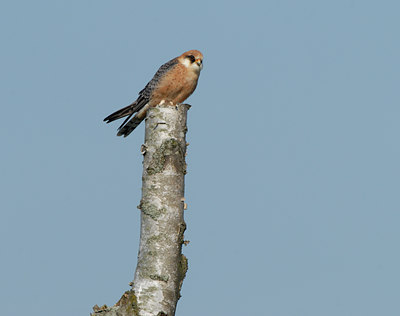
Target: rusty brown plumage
[(173, 83)]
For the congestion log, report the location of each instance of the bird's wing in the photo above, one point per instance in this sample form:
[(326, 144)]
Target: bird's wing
[(140, 104), (153, 83)]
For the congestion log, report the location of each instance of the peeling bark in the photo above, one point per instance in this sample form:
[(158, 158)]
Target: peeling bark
[(161, 265)]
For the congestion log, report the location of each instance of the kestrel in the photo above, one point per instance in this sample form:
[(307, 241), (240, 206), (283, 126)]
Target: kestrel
[(173, 83)]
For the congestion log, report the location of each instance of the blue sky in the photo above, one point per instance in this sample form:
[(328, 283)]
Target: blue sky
[(293, 164)]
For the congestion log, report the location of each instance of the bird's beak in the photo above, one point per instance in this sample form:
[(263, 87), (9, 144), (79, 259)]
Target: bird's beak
[(199, 62)]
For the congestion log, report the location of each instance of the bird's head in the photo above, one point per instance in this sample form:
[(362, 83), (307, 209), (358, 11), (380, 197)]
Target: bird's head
[(192, 59)]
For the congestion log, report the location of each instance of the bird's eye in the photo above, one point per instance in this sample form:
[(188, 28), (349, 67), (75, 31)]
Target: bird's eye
[(191, 58)]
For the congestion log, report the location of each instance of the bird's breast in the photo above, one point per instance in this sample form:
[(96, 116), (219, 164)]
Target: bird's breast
[(176, 86)]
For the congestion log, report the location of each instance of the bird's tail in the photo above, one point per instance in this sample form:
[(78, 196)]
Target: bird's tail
[(128, 128), (128, 110)]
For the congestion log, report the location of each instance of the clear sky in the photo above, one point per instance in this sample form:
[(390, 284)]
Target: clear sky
[(293, 167)]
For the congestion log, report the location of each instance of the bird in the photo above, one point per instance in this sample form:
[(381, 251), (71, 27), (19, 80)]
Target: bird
[(173, 83)]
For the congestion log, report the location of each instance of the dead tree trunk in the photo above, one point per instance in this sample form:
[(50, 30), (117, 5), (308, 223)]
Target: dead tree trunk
[(161, 265)]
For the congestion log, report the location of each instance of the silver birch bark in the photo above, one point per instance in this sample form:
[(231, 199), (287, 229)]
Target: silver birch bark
[(161, 265)]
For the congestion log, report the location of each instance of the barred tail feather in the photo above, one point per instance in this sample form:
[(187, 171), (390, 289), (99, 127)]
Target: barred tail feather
[(128, 128), (128, 110)]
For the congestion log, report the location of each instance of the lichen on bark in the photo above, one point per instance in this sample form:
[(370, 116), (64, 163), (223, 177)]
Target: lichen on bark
[(150, 210), (161, 266), (127, 305), (171, 151)]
